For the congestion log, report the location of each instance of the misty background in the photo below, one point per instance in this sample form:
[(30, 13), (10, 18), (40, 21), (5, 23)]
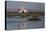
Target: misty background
[(30, 6)]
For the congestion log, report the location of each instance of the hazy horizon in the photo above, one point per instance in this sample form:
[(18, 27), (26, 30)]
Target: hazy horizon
[(12, 5)]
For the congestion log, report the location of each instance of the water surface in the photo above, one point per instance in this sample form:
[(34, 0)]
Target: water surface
[(17, 22)]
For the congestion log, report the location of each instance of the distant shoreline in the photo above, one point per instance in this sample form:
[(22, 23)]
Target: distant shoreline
[(28, 14)]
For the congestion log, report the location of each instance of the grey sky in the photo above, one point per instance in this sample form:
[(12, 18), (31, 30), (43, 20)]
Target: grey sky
[(27, 5)]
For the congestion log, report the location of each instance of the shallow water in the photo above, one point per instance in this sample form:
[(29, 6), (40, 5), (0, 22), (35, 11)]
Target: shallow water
[(17, 22)]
